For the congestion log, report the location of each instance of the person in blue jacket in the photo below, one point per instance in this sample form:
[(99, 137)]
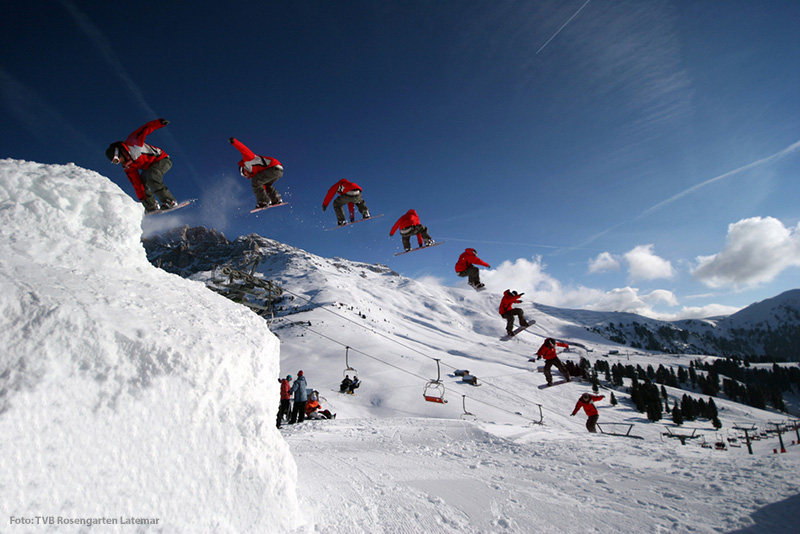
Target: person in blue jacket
[(299, 390)]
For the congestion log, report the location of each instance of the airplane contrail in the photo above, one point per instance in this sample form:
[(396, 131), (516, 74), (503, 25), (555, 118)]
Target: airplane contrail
[(788, 150), (563, 26)]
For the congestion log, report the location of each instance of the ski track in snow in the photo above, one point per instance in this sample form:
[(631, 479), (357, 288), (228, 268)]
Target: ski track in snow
[(451, 476)]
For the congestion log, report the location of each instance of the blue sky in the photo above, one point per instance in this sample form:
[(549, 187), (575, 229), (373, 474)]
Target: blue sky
[(633, 156)]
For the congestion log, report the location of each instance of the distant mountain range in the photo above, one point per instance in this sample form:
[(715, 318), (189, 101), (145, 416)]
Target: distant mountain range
[(767, 330)]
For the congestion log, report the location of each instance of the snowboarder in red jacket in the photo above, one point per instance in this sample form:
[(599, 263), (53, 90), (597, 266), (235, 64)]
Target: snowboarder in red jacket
[(350, 194), (465, 266), (135, 155), (548, 352), (508, 312), (586, 402), (262, 173), (409, 225)]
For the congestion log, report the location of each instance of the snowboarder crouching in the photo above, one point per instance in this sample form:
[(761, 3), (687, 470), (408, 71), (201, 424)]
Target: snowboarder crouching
[(409, 225), (262, 173), (508, 312), (350, 194), (465, 266), (586, 401), (548, 352), (135, 155)]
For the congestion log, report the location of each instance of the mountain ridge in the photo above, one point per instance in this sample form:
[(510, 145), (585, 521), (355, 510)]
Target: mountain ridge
[(766, 329)]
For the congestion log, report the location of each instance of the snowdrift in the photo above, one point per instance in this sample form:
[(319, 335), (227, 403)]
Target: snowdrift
[(127, 395)]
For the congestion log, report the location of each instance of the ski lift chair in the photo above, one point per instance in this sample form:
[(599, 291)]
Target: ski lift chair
[(348, 370), (434, 389)]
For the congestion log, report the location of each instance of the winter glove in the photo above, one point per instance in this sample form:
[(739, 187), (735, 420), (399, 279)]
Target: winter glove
[(164, 122), (231, 140), (324, 207)]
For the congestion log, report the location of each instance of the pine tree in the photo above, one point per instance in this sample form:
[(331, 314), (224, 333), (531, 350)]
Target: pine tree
[(677, 414), (716, 422)]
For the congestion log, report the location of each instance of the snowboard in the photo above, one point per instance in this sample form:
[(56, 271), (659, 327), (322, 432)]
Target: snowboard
[(268, 207), (421, 248), (517, 331), (353, 222), (557, 383), (176, 207)]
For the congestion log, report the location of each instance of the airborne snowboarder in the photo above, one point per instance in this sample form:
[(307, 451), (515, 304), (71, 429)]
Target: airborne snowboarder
[(262, 173), (508, 312), (465, 266), (409, 225), (548, 352), (135, 155), (350, 194)]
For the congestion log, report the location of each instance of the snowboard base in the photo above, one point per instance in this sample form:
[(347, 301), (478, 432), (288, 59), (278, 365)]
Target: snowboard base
[(421, 248), (354, 222), (176, 207), (517, 331), (268, 207)]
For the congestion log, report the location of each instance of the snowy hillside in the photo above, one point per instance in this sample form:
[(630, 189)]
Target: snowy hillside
[(391, 462), (127, 395), (128, 392)]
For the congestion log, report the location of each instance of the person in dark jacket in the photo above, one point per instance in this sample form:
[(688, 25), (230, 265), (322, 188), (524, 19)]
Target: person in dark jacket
[(299, 390), (586, 401), (508, 312), (285, 405), (465, 266)]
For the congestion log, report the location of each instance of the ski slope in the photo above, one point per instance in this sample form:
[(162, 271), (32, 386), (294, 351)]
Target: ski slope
[(129, 392)]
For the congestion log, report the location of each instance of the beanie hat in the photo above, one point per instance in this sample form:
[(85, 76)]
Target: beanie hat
[(288, 377), (299, 373)]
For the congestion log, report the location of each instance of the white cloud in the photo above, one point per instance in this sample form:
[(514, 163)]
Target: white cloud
[(756, 251), (644, 265), (661, 295), (604, 261), (529, 277)]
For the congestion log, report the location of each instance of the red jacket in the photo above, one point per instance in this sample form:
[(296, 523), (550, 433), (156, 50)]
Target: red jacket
[(468, 258), (251, 164), (142, 155), (509, 299), (588, 407), (285, 386), (409, 219), (547, 352), (341, 187)]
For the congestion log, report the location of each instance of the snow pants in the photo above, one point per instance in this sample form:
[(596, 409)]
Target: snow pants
[(509, 317), (418, 230), (283, 410), (262, 186), (591, 423), (349, 198), (153, 180), (473, 275), (298, 412), (559, 365)]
